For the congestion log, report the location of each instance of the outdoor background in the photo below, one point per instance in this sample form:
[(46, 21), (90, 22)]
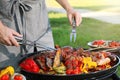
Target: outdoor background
[(101, 20)]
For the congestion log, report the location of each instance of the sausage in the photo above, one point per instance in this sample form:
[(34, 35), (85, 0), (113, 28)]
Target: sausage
[(103, 61)]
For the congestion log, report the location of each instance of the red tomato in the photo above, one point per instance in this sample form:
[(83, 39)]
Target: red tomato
[(98, 42), (75, 62), (69, 71), (76, 70), (5, 77), (18, 77)]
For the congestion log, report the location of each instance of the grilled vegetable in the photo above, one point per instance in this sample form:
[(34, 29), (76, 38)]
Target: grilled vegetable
[(68, 60), (57, 58), (60, 69), (30, 65), (88, 64)]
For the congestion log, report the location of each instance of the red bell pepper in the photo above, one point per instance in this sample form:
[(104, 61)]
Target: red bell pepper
[(30, 65)]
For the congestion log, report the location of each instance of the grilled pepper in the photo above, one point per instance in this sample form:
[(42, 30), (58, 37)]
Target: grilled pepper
[(60, 69), (30, 65), (88, 64)]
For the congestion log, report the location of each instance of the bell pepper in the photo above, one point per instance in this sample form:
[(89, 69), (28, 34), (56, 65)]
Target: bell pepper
[(88, 64), (8, 70), (30, 65)]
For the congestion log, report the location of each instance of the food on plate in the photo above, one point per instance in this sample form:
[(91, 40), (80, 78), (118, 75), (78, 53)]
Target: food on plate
[(68, 60), (105, 43), (99, 42), (114, 44)]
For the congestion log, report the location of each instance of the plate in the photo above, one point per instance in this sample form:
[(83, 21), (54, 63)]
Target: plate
[(104, 44)]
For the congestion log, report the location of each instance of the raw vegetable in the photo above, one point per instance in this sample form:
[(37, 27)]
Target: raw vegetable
[(18, 77), (5, 77), (8, 70)]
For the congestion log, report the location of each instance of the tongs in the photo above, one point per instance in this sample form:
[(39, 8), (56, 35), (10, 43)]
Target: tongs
[(73, 32), (21, 41)]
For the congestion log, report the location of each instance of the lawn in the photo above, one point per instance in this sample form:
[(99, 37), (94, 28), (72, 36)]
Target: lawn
[(89, 30), (89, 4)]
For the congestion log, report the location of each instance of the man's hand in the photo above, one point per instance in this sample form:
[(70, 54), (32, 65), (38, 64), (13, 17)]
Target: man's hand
[(71, 14), (7, 36)]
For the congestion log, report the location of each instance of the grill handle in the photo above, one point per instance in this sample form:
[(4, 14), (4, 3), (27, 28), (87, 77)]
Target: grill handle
[(115, 77)]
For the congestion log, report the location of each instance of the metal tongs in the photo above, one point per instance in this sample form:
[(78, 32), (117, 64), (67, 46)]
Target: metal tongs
[(73, 32), (21, 41)]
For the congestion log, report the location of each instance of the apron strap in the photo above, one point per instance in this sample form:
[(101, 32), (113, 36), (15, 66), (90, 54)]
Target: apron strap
[(18, 8)]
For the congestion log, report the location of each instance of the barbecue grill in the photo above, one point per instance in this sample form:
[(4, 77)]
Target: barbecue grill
[(100, 75)]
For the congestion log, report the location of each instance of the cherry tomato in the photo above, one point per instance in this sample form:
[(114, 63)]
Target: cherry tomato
[(69, 71), (76, 70), (18, 77), (5, 77), (98, 42)]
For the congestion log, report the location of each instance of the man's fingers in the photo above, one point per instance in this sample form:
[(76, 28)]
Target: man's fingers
[(78, 19), (16, 33), (7, 42), (14, 42), (70, 18)]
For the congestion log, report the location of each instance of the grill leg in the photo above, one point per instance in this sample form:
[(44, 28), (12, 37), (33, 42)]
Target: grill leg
[(115, 77)]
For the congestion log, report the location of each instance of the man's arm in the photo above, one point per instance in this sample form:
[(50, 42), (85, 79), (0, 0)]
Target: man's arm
[(65, 4), (71, 13)]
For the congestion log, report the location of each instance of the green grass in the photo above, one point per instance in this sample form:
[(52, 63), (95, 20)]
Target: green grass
[(88, 4), (89, 30)]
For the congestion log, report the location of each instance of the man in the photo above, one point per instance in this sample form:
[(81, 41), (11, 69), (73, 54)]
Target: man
[(27, 19)]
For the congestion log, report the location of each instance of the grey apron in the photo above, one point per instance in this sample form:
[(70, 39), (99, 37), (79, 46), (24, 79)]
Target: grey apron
[(29, 18)]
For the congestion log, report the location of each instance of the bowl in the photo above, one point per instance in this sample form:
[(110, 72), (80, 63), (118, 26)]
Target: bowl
[(23, 77)]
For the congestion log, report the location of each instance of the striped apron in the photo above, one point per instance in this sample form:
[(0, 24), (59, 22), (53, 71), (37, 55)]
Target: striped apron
[(29, 18)]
